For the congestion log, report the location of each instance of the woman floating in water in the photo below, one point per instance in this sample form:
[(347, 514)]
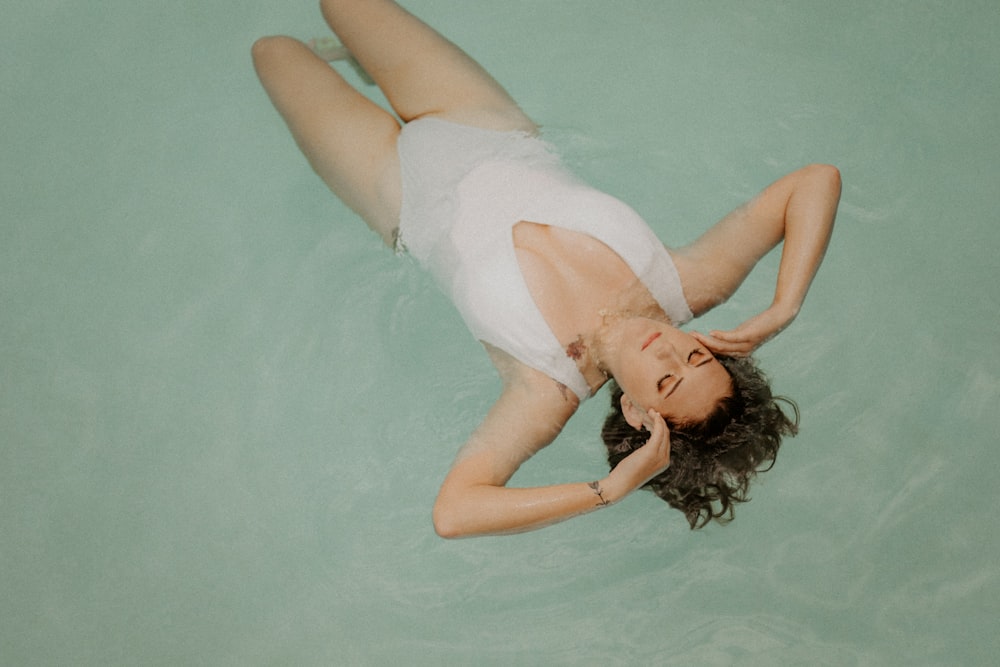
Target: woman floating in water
[(566, 287)]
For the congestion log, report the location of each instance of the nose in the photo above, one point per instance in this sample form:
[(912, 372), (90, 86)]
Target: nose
[(667, 351)]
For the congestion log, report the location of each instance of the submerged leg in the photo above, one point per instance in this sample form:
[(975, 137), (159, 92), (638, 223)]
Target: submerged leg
[(349, 140), (420, 72)]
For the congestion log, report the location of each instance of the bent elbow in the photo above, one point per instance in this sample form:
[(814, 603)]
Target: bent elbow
[(446, 521), (270, 54), (446, 529)]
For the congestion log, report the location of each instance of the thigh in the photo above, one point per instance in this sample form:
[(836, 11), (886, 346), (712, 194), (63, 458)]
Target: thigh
[(348, 139), (420, 72)]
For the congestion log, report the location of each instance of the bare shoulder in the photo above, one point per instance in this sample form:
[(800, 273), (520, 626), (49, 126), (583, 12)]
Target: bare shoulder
[(530, 412), (716, 263), (532, 395), (695, 276), (517, 376)]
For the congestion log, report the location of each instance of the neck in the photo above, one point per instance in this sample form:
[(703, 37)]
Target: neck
[(603, 341)]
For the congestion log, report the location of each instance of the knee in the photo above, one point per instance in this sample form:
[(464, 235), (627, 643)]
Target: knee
[(268, 49), (331, 9), (327, 7), (826, 173)]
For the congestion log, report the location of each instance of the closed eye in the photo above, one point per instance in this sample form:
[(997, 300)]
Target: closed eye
[(665, 381), (698, 356)]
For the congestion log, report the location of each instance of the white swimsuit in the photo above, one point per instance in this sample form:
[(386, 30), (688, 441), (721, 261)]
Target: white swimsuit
[(465, 188)]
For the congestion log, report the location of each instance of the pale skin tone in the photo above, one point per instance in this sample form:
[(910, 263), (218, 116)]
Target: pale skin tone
[(592, 302)]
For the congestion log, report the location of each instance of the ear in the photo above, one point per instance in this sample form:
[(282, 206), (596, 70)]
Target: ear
[(634, 415)]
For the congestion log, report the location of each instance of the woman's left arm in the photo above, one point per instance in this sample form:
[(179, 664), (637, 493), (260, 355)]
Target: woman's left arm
[(798, 209)]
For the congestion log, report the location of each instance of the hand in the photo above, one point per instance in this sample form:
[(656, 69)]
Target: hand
[(750, 335), (644, 463)]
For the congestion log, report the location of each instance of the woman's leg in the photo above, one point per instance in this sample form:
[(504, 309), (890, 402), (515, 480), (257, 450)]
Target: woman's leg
[(420, 72), (348, 139)]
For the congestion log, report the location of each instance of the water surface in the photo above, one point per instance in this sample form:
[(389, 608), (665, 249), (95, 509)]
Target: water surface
[(225, 409)]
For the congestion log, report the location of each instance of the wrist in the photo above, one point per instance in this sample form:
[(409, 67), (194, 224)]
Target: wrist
[(611, 490), (600, 499), (786, 310)]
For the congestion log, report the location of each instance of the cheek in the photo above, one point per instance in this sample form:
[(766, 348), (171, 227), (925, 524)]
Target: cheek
[(639, 383)]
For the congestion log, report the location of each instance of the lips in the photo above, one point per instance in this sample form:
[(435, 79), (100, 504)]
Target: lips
[(650, 340)]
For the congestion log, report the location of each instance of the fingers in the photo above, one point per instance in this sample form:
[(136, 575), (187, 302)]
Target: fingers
[(647, 420), (659, 432), (657, 447), (649, 460), (729, 343), (748, 336), (733, 336)]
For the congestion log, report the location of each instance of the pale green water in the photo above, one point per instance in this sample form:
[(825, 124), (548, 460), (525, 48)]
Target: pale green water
[(225, 410)]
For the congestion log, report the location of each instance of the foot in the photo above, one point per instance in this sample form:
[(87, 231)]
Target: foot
[(329, 49)]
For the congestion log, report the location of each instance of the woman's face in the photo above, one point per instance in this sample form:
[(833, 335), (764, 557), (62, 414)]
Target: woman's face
[(661, 367)]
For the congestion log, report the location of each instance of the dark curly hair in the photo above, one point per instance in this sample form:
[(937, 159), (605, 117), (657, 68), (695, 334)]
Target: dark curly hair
[(712, 462)]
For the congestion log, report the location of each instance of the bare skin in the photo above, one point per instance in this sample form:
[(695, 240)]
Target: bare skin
[(604, 317)]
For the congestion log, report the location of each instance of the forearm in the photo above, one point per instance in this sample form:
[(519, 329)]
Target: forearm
[(494, 510), (809, 217), (490, 508)]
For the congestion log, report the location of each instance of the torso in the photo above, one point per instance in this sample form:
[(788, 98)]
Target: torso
[(573, 278), (464, 191)]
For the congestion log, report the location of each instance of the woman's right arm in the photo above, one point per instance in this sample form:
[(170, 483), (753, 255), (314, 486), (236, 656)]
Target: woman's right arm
[(530, 413)]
